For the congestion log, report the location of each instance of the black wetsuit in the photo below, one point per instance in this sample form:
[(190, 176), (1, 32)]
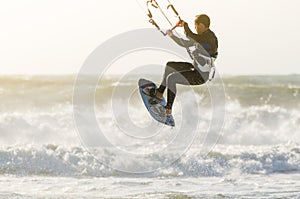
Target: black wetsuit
[(185, 72)]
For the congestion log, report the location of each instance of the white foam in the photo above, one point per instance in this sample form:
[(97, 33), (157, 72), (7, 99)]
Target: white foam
[(53, 160), (260, 125)]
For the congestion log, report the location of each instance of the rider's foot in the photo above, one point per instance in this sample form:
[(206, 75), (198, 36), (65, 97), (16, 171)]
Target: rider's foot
[(151, 91), (156, 98), (159, 94), (168, 111)]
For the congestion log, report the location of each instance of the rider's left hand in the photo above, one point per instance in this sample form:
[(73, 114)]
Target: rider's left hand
[(169, 32)]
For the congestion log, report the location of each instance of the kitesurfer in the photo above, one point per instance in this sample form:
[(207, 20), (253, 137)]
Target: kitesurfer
[(186, 73)]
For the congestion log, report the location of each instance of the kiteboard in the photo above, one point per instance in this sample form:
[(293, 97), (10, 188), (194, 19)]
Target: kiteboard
[(156, 110)]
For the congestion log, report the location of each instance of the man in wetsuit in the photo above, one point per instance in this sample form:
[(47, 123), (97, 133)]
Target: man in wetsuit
[(184, 72)]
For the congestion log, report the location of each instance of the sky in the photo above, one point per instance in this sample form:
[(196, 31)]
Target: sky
[(56, 36)]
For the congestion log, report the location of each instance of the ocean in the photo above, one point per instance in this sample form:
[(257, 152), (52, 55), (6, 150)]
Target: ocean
[(53, 146)]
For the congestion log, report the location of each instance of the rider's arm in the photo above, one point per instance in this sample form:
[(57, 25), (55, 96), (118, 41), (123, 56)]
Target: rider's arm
[(189, 33), (182, 42)]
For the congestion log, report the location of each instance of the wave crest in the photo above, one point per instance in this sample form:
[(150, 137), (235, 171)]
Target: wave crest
[(53, 160)]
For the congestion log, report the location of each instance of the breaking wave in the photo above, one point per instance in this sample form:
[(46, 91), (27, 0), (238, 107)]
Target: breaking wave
[(38, 133), (53, 160)]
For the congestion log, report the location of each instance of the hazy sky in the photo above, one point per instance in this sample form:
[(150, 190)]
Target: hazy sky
[(56, 36)]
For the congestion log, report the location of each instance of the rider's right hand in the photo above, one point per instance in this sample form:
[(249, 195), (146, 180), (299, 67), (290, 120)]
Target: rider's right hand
[(180, 23)]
